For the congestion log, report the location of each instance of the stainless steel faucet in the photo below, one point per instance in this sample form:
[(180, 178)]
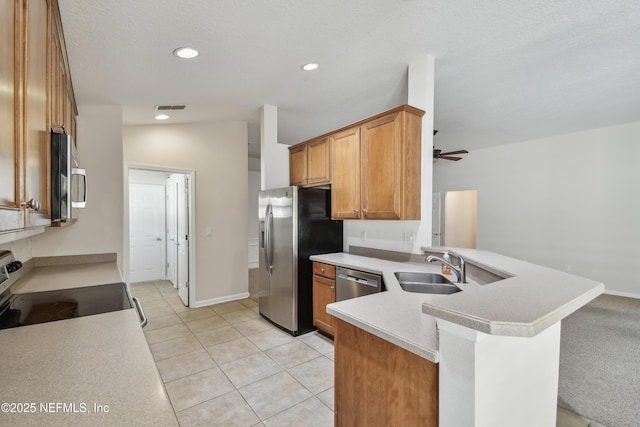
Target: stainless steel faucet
[(460, 270)]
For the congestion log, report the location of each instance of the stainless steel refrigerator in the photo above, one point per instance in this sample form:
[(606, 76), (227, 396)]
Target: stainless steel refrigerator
[(295, 223)]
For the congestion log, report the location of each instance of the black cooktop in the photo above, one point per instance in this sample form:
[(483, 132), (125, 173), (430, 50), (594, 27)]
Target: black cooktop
[(42, 307)]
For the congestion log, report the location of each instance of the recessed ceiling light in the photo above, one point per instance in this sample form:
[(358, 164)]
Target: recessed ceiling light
[(162, 117), (310, 66), (185, 52)]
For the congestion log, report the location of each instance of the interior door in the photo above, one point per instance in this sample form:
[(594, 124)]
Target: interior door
[(182, 215), (146, 232), (460, 218), (171, 189)]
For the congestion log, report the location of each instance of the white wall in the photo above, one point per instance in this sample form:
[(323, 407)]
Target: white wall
[(569, 202), (274, 157), (252, 212), (217, 152), (406, 236), (99, 226), (252, 219)]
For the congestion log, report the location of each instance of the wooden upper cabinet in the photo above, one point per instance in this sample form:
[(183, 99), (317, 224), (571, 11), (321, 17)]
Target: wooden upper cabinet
[(37, 93), (298, 165), (62, 105), (11, 215), (318, 162), (345, 182), (373, 166), (377, 167), (36, 118), (391, 164), (309, 163)]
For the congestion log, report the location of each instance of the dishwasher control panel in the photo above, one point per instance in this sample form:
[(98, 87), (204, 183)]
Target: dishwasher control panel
[(353, 283)]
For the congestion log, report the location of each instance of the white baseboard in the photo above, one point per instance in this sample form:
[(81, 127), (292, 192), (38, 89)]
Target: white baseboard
[(623, 294), (219, 300)]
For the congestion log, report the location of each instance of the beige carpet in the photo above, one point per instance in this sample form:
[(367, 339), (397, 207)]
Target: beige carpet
[(600, 362)]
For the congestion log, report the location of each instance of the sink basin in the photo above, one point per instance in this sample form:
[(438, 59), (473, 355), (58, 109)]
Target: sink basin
[(426, 283)]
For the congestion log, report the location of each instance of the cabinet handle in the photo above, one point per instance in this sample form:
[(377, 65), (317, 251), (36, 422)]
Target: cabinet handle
[(333, 287), (355, 210), (364, 210), (31, 204), (322, 270)]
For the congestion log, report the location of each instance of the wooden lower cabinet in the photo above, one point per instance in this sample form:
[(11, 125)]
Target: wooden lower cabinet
[(324, 292), (380, 384)]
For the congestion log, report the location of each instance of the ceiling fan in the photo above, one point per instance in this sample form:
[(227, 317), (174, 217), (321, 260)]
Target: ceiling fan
[(438, 154)]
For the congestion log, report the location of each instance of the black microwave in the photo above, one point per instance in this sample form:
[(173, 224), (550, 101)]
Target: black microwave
[(68, 180)]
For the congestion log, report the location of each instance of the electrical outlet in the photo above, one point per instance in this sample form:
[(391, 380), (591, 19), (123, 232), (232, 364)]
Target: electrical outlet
[(567, 267), (409, 238), (363, 234)]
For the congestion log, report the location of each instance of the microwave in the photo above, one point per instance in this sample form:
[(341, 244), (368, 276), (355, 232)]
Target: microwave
[(68, 180)]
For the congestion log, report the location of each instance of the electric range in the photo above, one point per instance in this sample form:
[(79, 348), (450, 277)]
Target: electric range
[(49, 306)]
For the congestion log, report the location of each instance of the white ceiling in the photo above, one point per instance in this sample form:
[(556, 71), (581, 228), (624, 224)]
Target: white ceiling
[(506, 71)]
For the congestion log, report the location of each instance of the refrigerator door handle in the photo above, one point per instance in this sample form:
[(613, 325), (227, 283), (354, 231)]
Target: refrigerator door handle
[(268, 237)]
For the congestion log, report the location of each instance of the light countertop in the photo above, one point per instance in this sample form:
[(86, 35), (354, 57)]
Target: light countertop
[(523, 305), (102, 359), (53, 277)]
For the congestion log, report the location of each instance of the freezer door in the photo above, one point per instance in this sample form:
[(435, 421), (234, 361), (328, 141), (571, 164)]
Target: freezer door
[(278, 287), (263, 272)]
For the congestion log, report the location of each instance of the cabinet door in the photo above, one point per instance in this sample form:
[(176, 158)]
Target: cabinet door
[(36, 133), (298, 165), (345, 180), (324, 292), (381, 167), (318, 162), (11, 216)]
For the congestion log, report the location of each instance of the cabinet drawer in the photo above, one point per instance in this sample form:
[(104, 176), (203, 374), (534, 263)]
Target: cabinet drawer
[(325, 270)]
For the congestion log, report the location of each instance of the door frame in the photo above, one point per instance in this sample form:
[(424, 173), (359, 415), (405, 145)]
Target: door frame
[(191, 174)]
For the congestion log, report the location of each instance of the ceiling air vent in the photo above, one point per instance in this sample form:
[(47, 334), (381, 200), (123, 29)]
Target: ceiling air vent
[(170, 107)]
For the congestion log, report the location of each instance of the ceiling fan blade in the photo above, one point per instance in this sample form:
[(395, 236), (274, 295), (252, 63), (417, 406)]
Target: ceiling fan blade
[(455, 159), (455, 152)]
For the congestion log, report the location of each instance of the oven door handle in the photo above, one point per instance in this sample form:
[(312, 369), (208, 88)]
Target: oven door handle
[(143, 318)]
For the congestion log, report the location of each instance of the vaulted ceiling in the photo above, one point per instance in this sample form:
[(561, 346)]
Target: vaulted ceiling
[(506, 71)]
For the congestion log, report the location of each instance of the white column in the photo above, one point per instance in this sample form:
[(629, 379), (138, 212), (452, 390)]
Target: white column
[(495, 381), (421, 91), (274, 157)]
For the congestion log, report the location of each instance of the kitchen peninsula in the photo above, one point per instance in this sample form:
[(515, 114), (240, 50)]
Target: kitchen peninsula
[(495, 347)]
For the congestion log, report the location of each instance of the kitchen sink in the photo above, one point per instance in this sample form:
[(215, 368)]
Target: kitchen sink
[(426, 283)]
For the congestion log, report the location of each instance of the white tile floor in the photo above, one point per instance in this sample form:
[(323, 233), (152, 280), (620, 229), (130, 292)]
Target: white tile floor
[(225, 365)]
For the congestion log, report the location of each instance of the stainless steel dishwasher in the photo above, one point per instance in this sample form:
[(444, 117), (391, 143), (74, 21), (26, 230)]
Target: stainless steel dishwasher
[(353, 283)]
